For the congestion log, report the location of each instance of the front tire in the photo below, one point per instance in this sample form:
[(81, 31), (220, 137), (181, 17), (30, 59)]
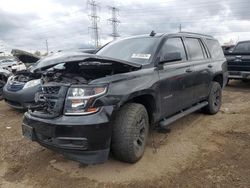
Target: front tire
[(214, 99), (130, 132)]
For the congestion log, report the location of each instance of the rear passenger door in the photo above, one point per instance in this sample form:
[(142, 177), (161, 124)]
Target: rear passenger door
[(200, 62)]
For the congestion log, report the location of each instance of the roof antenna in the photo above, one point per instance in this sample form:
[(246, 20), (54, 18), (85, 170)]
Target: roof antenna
[(153, 33)]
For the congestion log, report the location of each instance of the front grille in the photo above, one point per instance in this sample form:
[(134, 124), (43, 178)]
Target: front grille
[(50, 101), (63, 142), (51, 89)]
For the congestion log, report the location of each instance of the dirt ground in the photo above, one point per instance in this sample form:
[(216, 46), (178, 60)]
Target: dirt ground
[(200, 151)]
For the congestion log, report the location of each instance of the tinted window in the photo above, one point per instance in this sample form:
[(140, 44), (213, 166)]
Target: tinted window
[(214, 48), (243, 47), (194, 49), (173, 45), (137, 50)]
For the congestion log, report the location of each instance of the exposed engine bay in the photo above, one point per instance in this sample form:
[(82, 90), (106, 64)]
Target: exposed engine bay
[(80, 72), (25, 76)]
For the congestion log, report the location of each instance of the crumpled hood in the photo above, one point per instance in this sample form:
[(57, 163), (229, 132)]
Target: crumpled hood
[(24, 56), (83, 58)]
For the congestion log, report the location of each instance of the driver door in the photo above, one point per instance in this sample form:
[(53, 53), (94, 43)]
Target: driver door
[(176, 78)]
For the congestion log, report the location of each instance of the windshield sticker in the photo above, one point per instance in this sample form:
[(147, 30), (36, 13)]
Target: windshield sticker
[(141, 56)]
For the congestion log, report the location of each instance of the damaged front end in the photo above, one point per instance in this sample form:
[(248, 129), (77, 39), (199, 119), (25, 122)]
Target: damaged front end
[(20, 89), (69, 116), (66, 88), (21, 86)]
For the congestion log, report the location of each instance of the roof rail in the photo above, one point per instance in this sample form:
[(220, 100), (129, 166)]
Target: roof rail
[(197, 34)]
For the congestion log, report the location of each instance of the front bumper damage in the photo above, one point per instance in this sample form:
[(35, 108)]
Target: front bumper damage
[(20, 98), (85, 139)]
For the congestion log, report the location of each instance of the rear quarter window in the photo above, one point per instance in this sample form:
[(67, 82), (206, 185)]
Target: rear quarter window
[(214, 48)]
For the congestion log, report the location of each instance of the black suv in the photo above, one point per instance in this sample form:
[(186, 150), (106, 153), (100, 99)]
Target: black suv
[(239, 61), (90, 103)]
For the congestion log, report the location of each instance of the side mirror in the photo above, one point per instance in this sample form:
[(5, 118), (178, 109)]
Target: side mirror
[(171, 57)]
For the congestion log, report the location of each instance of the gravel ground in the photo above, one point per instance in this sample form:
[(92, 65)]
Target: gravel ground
[(200, 151)]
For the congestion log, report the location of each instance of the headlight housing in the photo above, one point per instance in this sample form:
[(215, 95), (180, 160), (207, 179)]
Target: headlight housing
[(32, 83), (79, 99)]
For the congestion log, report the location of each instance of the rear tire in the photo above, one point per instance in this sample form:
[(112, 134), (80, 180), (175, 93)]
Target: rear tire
[(130, 132), (214, 99)]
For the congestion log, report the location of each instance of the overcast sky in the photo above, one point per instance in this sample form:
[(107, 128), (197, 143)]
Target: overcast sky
[(27, 24)]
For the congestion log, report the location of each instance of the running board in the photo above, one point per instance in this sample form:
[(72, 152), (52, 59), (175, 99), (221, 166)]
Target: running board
[(166, 121)]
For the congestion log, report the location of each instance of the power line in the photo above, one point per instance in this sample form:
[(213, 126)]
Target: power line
[(95, 19), (184, 19), (137, 13), (184, 6), (114, 22)]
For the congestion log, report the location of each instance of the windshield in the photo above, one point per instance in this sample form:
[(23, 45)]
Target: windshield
[(243, 47), (136, 50)]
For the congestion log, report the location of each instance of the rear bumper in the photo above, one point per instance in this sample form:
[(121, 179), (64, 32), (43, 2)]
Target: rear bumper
[(21, 99), (85, 139), (239, 75)]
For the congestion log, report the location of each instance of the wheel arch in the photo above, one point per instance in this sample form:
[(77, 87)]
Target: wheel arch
[(219, 78), (148, 100)]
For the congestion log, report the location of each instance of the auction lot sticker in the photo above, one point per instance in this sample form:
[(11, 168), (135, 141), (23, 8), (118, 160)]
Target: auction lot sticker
[(141, 56)]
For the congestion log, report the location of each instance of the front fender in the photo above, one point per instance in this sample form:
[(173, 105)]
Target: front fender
[(133, 84)]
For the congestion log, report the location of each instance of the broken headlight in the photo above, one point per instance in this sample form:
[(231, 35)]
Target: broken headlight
[(79, 100)]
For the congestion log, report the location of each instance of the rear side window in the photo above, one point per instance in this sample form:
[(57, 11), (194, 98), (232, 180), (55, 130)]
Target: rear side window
[(214, 49), (194, 49), (242, 47)]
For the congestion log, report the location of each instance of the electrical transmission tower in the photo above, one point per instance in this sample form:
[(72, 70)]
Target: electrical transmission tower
[(94, 19), (114, 21)]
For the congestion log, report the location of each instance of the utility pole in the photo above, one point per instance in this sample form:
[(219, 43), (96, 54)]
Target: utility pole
[(114, 22), (94, 19), (180, 28), (47, 47)]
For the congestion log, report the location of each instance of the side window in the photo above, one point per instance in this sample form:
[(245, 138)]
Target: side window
[(173, 45), (194, 49), (243, 47), (214, 48)]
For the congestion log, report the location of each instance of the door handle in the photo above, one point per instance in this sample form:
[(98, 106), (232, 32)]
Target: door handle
[(189, 70), (210, 66)]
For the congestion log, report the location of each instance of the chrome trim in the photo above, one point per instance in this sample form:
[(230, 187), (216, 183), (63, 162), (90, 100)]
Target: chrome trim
[(81, 113)]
